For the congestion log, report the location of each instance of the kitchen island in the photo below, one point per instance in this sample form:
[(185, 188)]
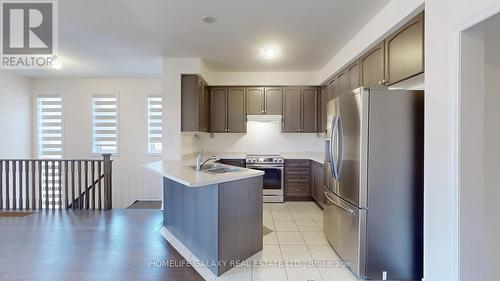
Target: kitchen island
[(213, 219)]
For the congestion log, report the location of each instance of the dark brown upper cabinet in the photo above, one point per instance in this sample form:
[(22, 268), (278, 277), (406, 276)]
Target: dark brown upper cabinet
[(236, 115), (404, 51), (322, 101), (343, 80), (228, 110), (333, 89), (273, 101), (218, 109), (373, 67), (353, 73), (265, 101), (195, 113), (309, 110), (300, 110), (255, 101), (291, 110)]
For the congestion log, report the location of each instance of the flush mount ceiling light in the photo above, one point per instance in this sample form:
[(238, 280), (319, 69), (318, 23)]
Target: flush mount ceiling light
[(270, 53), (208, 19)]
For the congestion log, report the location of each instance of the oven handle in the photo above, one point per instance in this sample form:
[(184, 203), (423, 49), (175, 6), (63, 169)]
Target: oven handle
[(265, 166)]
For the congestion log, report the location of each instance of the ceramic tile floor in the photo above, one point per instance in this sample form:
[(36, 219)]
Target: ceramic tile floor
[(296, 250)]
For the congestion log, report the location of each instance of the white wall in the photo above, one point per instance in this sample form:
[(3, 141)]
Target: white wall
[(175, 143), (15, 116), (263, 78), (182, 144), (492, 155), (472, 201), (130, 180), (387, 20), (262, 137), (480, 154), (443, 17)]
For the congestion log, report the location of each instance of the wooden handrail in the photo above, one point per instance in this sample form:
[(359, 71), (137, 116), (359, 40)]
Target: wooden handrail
[(88, 189), (56, 183)]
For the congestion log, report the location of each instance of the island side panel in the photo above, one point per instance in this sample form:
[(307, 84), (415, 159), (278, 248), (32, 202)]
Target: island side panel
[(190, 214), (240, 221)]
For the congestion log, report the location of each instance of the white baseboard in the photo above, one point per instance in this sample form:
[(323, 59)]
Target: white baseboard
[(188, 255)]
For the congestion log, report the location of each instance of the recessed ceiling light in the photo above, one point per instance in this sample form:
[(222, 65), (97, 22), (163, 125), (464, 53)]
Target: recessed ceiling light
[(56, 64), (270, 53), (208, 19)]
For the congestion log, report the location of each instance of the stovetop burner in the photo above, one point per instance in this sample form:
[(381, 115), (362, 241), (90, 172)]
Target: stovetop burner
[(264, 158)]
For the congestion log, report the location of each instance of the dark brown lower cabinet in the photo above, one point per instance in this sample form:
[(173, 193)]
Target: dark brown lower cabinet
[(318, 183), (297, 179)]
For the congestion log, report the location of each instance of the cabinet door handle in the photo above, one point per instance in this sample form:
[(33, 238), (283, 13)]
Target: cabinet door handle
[(229, 130)]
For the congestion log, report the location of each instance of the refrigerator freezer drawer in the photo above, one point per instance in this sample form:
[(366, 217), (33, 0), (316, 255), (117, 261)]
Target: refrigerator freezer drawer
[(345, 229)]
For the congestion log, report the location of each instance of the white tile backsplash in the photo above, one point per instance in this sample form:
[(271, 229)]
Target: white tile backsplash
[(262, 137)]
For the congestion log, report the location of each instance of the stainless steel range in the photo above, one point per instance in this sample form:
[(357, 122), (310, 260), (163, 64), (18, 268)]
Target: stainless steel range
[(273, 166)]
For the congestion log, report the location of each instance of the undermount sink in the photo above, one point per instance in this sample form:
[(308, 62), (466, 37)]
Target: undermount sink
[(217, 169), (222, 170)]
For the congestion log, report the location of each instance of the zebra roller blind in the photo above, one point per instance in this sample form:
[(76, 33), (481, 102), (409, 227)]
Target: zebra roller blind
[(155, 124), (50, 146), (105, 123)]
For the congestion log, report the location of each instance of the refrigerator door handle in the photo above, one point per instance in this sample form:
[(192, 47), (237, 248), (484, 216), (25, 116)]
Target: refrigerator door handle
[(338, 205), (340, 155), (328, 157), (334, 142)]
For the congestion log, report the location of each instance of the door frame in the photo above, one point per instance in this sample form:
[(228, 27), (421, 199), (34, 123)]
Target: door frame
[(455, 101)]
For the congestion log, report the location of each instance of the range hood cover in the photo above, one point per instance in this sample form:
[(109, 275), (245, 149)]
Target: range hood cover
[(264, 118)]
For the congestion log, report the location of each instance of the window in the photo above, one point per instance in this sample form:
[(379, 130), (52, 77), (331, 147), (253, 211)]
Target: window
[(49, 127), (155, 124), (50, 140), (105, 123)]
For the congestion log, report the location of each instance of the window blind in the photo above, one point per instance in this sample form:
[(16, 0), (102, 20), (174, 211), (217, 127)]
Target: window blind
[(105, 123), (50, 141), (155, 124)]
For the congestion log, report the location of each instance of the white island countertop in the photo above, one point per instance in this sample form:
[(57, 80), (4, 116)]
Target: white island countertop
[(182, 172)]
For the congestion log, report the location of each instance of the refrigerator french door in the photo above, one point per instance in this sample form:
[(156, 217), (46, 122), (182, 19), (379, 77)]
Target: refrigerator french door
[(374, 190)]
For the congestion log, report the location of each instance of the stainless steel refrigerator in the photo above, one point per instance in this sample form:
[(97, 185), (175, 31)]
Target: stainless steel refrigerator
[(373, 217)]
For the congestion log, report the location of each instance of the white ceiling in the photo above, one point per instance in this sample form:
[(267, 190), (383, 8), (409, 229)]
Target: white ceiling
[(129, 37)]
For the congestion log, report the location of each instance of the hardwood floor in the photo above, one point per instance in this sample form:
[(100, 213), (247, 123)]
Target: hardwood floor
[(121, 244)]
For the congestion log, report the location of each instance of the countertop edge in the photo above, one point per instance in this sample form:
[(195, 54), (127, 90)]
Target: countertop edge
[(217, 179)]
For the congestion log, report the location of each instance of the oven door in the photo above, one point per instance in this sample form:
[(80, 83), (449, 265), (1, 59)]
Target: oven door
[(272, 179)]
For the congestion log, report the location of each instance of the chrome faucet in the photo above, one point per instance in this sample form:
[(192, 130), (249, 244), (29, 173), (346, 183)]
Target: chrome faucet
[(200, 162)]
